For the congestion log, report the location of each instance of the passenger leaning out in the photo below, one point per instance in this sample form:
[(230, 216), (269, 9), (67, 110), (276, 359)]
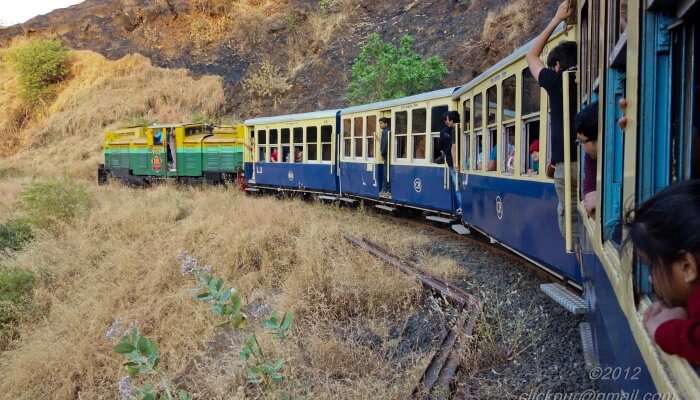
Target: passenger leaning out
[(664, 231), (449, 152), (586, 127), (550, 77)]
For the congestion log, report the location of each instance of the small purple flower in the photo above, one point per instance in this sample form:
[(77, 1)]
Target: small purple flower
[(115, 330), (126, 391)]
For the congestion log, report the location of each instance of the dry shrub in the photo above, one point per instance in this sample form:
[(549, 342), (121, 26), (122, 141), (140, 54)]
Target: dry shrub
[(118, 262), (444, 267), (510, 24), (504, 30), (67, 138), (266, 82)]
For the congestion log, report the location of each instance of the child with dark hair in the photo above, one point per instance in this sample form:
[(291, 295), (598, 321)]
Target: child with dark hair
[(665, 234), (586, 128), (448, 147), (550, 77)]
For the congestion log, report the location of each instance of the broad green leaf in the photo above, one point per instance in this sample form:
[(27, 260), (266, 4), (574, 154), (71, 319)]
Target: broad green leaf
[(287, 321), (182, 395), (124, 347)]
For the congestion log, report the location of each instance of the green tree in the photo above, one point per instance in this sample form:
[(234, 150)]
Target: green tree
[(39, 64), (383, 71)]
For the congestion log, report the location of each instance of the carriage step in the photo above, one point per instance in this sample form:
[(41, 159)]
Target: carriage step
[(589, 356), (348, 200), (460, 229), (574, 303), (325, 197), (385, 208), (439, 219), (252, 190)]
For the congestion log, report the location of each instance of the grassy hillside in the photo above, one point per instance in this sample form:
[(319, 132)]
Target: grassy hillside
[(103, 254), (62, 135), (311, 43)]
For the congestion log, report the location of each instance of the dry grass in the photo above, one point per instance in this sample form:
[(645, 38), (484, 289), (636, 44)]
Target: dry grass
[(66, 136), (504, 30), (119, 262), (263, 82)]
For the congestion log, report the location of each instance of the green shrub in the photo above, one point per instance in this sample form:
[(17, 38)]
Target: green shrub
[(383, 72), (48, 203), (40, 64), (326, 5), (16, 287), (14, 234)]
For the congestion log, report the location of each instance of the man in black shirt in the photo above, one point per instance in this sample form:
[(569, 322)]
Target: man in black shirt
[(385, 184), (449, 150), (560, 59)]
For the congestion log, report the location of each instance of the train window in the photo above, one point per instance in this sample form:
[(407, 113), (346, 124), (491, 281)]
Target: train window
[(508, 109), (492, 104), (492, 149), (684, 86), (371, 134), (617, 23), (418, 123), (357, 134), (595, 42), (531, 146), (478, 111), (531, 94), (312, 143), (479, 149), (466, 137), (401, 132), (298, 145), (436, 125), (347, 139), (262, 146), (508, 152), (695, 142), (286, 150), (274, 145), (613, 155), (194, 130), (584, 49), (326, 143)]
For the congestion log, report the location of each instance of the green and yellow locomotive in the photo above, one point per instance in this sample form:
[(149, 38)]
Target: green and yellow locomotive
[(186, 152)]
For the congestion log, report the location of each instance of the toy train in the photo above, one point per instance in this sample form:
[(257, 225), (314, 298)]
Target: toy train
[(643, 51)]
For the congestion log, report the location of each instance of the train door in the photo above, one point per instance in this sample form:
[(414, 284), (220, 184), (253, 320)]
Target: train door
[(383, 161), (158, 157), (171, 151)]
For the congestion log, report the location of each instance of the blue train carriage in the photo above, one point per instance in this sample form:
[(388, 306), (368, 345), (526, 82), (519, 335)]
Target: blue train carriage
[(294, 152), (503, 156), (415, 179), (645, 52)]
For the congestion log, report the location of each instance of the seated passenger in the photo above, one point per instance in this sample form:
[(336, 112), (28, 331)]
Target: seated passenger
[(586, 126), (274, 155), (493, 155), (534, 152), (664, 231), (298, 155)]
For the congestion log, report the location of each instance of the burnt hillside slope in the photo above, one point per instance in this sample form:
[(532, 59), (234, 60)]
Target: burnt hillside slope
[(307, 49)]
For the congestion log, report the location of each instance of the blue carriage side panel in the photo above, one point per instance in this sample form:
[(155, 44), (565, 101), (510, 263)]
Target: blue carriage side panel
[(521, 214), (613, 339), (423, 187), (360, 179)]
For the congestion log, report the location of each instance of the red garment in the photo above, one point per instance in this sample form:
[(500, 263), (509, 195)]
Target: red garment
[(682, 336)]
